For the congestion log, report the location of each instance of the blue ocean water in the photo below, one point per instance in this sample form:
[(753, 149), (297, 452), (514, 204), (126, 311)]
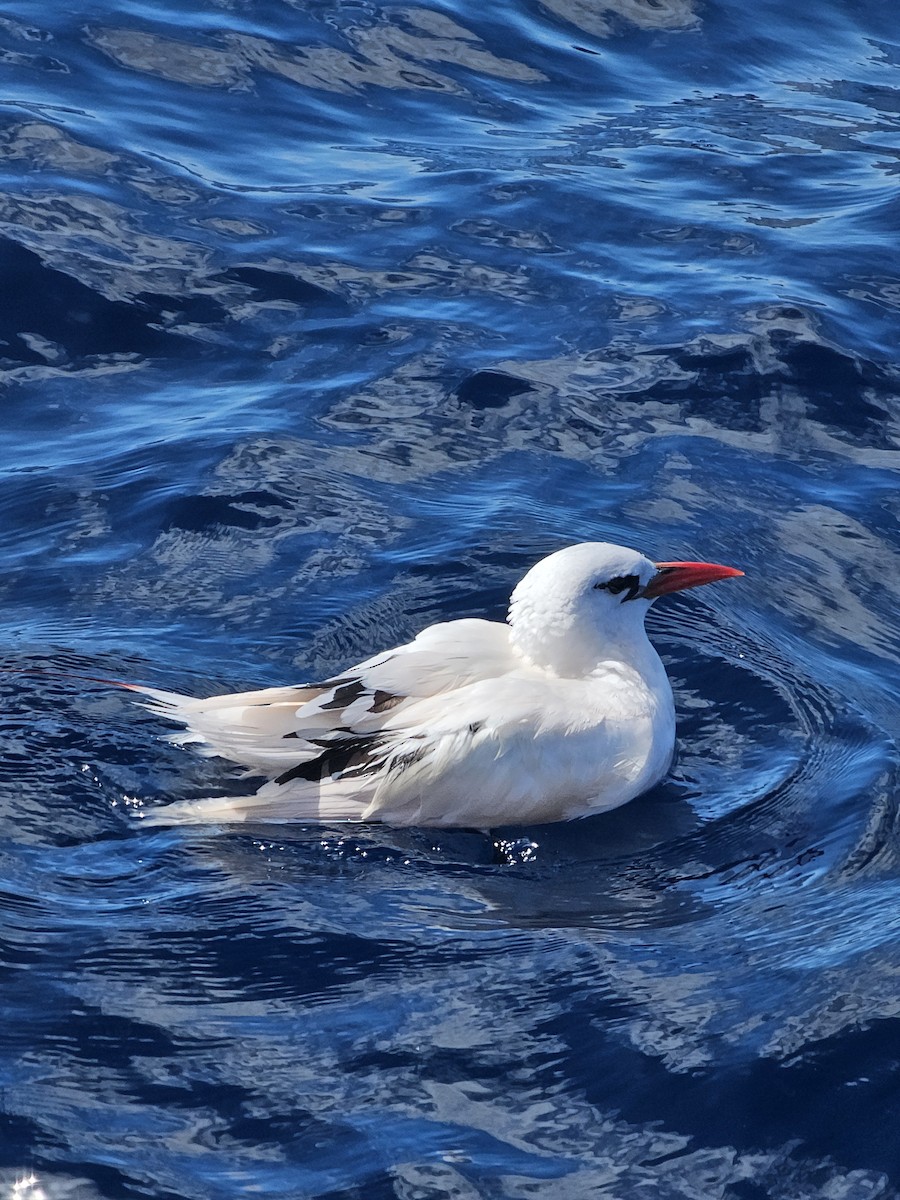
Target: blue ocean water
[(321, 321)]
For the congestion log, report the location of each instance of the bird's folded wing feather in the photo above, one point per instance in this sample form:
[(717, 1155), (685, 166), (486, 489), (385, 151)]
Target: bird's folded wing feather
[(459, 757), (276, 729)]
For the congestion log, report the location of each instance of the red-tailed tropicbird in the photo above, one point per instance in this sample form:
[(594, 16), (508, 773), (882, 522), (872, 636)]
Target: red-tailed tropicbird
[(564, 711)]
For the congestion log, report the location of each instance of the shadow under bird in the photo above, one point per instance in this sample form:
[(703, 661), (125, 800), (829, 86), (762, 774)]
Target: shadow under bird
[(563, 711)]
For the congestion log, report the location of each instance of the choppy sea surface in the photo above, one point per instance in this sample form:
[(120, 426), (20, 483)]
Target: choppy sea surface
[(322, 321)]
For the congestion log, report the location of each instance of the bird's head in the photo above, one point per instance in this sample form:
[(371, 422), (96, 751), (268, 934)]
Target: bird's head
[(582, 603)]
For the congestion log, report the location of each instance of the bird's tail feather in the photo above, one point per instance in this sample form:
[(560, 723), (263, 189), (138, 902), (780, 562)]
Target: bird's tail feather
[(299, 802), (249, 728)]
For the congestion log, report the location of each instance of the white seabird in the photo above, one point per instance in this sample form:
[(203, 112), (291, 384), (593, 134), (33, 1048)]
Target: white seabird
[(564, 711)]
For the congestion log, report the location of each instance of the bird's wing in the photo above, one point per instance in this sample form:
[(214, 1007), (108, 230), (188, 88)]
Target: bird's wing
[(278, 729), (513, 748)]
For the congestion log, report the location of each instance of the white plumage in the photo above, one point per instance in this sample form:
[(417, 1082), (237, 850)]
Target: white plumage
[(564, 711)]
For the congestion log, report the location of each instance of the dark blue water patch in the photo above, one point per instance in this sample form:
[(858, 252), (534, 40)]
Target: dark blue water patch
[(490, 389), (52, 316), (277, 285), (771, 1098), (246, 510)]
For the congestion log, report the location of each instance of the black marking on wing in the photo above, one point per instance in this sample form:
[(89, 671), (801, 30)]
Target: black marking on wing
[(348, 756), (384, 701), (339, 731), (340, 680), (345, 694), (401, 761)]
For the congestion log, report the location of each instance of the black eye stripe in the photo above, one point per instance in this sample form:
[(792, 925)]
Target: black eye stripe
[(622, 583)]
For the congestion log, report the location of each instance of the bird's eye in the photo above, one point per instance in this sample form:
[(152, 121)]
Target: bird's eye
[(622, 583)]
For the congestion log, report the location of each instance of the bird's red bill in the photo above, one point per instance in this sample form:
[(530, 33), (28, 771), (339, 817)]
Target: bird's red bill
[(679, 576)]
